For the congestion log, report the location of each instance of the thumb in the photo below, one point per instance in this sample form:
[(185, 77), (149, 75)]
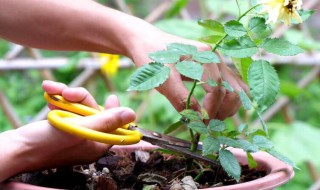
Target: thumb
[(107, 120)]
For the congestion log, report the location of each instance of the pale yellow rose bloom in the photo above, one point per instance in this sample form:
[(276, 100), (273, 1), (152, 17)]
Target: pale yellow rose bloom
[(281, 10)]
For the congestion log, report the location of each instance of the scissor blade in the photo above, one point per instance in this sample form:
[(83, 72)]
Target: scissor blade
[(174, 144), (159, 139)]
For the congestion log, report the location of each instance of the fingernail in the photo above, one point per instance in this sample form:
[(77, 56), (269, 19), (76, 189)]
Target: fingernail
[(45, 82), (127, 116)]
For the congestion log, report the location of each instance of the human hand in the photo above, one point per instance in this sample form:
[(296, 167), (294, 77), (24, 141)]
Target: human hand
[(218, 102), (108, 120), (45, 146)]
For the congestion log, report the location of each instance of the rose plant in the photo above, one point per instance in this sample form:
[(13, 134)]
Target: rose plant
[(243, 40)]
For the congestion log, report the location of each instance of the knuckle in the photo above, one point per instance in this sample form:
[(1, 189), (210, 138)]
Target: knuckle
[(82, 90), (111, 123), (181, 104)]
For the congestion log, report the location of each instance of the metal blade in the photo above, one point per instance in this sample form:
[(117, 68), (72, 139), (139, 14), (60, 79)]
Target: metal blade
[(174, 144), (159, 139)]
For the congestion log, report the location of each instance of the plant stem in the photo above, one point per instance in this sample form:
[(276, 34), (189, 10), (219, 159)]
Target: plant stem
[(194, 145), (201, 172), (218, 43), (196, 137), (192, 137), (193, 148), (245, 13), (239, 11), (190, 94)]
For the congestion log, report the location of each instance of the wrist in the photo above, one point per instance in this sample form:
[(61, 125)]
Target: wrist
[(14, 151)]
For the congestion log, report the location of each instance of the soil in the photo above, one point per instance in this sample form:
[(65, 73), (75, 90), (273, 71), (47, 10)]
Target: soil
[(138, 170)]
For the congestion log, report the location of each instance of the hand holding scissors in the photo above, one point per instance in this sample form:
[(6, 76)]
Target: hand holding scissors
[(128, 134)]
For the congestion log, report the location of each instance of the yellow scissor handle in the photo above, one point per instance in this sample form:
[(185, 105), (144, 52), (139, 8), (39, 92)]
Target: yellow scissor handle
[(58, 119)]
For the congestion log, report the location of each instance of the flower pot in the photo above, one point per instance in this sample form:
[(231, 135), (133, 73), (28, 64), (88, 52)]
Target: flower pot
[(278, 173)]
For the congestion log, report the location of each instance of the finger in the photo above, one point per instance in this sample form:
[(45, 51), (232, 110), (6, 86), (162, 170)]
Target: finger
[(233, 78), (107, 120), (80, 95), (175, 91), (52, 87), (211, 71), (229, 106), (53, 107), (112, 102), (213, 101), (215, 95)]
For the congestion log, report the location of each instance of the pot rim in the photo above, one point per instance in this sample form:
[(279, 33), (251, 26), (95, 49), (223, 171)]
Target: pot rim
[(278, 173)]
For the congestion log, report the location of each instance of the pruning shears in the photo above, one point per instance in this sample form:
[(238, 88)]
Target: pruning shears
[(127, 134)]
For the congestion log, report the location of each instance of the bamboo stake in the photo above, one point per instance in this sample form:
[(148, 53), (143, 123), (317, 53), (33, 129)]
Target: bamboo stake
[(9, 111), (158, 12)]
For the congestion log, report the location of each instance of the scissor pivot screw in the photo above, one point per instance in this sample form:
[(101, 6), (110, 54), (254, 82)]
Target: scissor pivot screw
[(156, 134)]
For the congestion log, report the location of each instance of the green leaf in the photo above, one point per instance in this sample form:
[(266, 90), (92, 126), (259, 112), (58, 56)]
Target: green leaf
[(149, 76), (242, 127), (257, 25), (297, 37), (217, 125), (302, 137), (182, 49), (232, 134), (173, 127), (281, 47), (251, 162), (204, 114), (212, 25), (212, 39), (262, 142), (206, 57), (263, 82), (247, 146), (245, 100), (282, 158), (227, 86), (199, 127), (165, 57), (230, 164), (234, 29), (210, 146), (256, 132), (242, 66), (191, 115), (176, 7), (241, 48), (181, 27), (304, 14), (228, 141), (190, 69), (258, 30), (211, 82)]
